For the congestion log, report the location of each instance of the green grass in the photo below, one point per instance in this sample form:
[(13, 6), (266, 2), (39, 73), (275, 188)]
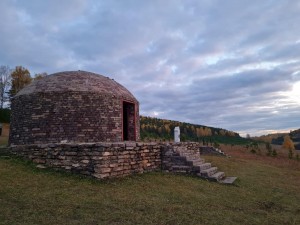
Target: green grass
[(264, 194)]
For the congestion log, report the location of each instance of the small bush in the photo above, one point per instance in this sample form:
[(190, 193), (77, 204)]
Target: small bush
[(274, 153), (291, 154), (253, 151), (258, 151), (216, 145), (269, 149)]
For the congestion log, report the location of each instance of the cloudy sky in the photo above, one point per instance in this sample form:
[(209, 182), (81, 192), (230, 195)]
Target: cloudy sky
[(233, 64)]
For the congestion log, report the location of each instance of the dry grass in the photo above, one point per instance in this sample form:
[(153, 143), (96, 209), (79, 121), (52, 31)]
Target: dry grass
[(281, 160), (267, 192)]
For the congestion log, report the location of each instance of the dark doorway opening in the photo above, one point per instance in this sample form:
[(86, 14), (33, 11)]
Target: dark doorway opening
[(128, 121)]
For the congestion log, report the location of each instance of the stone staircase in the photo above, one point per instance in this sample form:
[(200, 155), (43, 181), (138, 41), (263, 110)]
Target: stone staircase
[(188, 161)]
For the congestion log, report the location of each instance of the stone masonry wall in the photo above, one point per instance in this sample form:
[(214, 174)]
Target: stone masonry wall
[(100, 160), (40, 118), (171, 154)]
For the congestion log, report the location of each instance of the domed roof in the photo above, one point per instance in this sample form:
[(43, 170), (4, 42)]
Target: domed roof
[(77, 81)]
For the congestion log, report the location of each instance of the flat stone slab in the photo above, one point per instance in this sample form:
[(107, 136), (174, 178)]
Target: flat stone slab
[(41, 166), (228, 180)]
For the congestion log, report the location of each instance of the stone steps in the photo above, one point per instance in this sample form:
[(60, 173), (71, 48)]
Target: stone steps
[(197, 169), (194, 164), (208, 172), (218, 176), (228, 180), (204, 166)]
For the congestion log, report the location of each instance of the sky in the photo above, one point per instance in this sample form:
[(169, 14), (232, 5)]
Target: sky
[(231, 64)]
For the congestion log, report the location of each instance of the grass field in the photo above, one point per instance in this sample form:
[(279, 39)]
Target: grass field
[(267, 192)]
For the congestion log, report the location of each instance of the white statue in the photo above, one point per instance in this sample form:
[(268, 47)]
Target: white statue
[(176, 134)]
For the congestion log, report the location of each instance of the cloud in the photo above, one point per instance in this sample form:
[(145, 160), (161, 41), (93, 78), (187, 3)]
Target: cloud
[(226, 64)]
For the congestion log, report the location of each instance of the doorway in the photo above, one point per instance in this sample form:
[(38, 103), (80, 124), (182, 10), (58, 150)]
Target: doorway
[(128, 121)]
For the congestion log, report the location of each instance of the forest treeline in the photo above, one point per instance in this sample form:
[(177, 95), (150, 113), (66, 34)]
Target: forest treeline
[(162, 129), (278, 138)]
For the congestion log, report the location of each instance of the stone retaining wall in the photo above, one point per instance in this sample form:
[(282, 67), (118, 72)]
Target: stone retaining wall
[(104, 160), (99, 160)]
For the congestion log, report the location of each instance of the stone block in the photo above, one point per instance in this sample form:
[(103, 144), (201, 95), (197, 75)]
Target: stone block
[(75, 165), (120, 168), (70, 153), (130, 144), (102, 169), (113, 165), (39, 161), (107, 153), (101, 176)]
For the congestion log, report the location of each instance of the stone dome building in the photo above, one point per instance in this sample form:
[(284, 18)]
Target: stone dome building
[(74, 106)]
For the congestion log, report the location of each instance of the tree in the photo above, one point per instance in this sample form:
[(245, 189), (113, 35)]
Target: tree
[(208, 131), (222, 132), (39, 76), (20, 78), (5, 75), (288, 143)]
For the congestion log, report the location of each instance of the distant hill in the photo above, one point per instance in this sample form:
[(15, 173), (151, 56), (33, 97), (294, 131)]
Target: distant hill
[(278, 138), (162, 129), (295, 135)]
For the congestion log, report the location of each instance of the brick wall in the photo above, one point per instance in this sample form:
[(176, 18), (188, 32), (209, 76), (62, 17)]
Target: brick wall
[(52, 117)]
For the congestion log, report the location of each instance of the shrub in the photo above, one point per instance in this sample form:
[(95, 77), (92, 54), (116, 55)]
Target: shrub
[(291, 154), (269, 149), (274, 153), (259, 151), (216, 145)]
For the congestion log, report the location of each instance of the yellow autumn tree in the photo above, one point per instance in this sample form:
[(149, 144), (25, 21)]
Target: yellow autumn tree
[(20, 77), (167, 128), (207, 131), (200, 132), (222, 132), (288, 143)]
